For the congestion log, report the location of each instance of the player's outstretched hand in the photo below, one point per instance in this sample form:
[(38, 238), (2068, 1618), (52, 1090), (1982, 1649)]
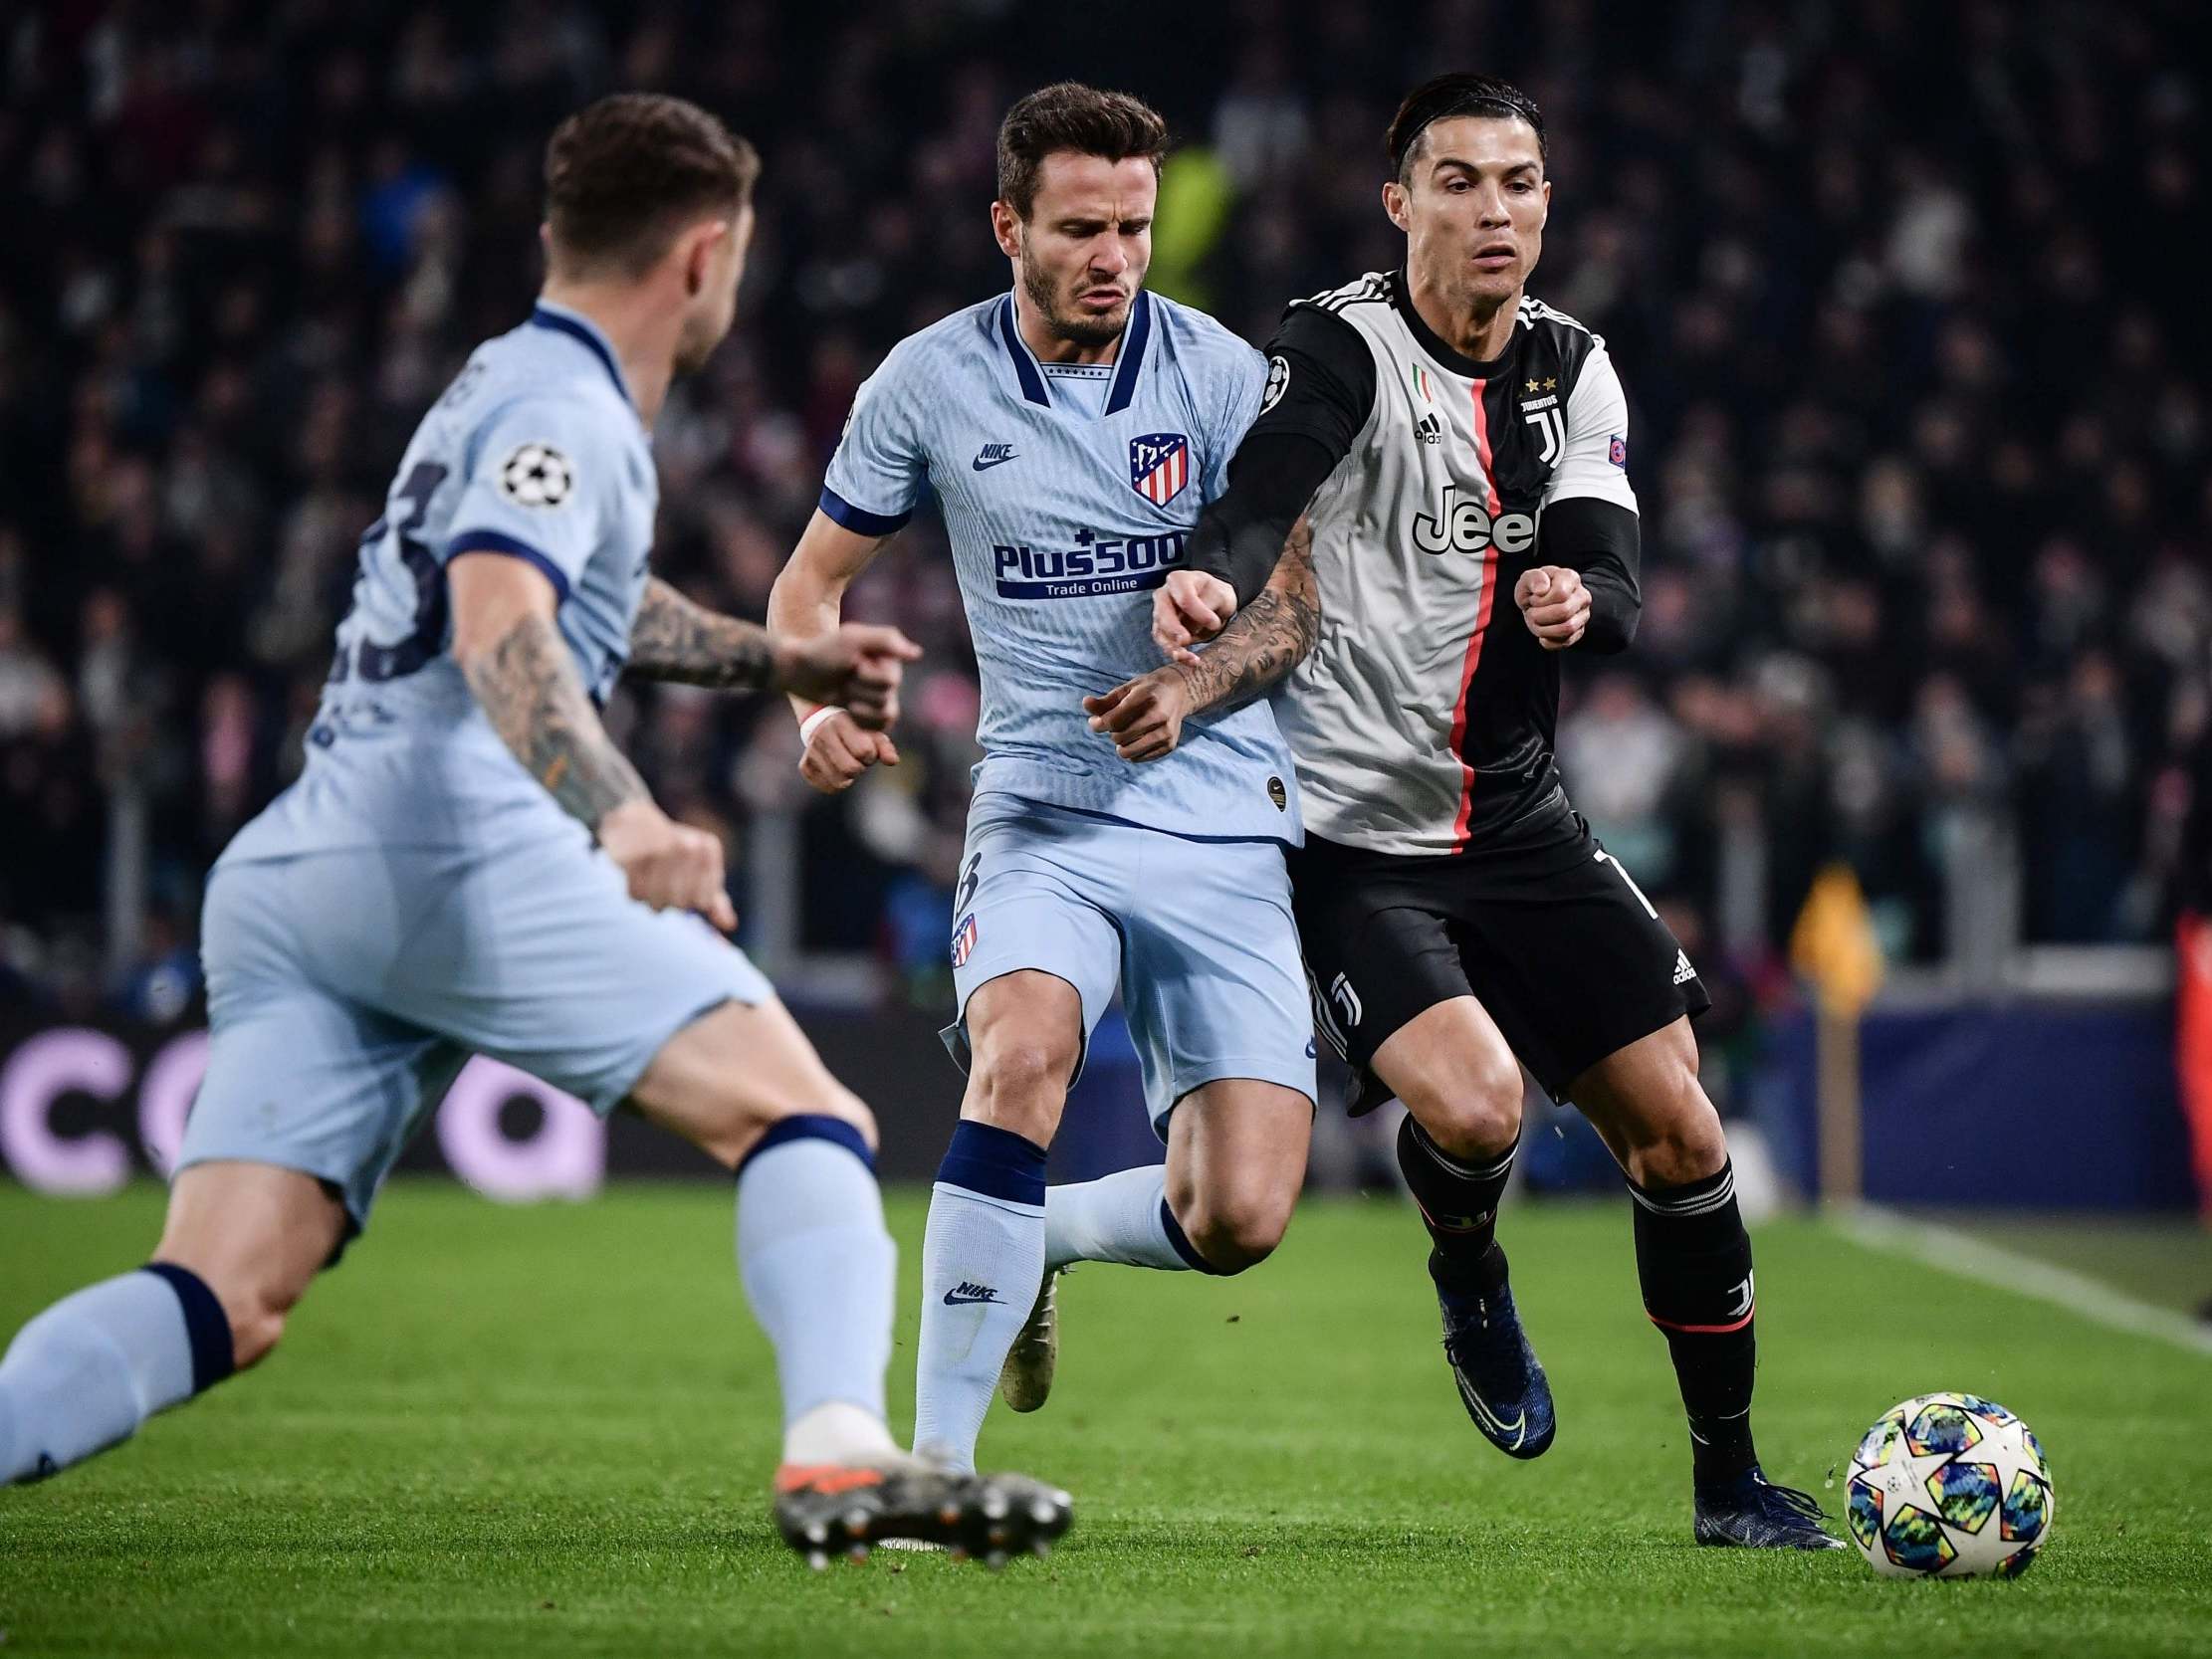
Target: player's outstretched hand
[(857, 667), (1143, 717), (1555, 604), (840, 750), (670, 866), (1190, 608)]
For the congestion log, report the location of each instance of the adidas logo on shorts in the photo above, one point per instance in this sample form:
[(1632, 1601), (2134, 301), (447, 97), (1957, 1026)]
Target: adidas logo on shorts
[(1684, 973)]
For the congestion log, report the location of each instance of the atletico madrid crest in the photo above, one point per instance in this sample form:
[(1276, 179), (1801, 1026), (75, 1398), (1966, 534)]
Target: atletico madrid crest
[(964, 939), (1160, 466)]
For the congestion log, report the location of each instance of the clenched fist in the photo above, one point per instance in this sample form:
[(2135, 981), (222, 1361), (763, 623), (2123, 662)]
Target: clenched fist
[(857, 667), (670, 866), (1142, 718), (839, 750), (1553, 603), (1190, 608)]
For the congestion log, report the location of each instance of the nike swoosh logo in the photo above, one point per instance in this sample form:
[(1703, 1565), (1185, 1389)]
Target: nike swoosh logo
[(953, 1299), (984, 466), (1517, 1428)]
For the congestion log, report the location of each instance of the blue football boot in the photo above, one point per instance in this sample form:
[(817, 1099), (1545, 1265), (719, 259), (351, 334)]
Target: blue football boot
[(1499, 1377), (1751, 1512)]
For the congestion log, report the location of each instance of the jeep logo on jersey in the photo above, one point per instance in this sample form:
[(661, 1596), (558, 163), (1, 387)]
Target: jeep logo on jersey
[(1466, 527), (1160, 466), (537, 475)]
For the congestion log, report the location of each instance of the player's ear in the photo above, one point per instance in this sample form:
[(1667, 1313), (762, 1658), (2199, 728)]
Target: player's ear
[(1005, 225), (1394, 202), (699, 255)]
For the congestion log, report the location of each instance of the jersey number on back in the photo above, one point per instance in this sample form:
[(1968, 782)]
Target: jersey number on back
[(390, 662)]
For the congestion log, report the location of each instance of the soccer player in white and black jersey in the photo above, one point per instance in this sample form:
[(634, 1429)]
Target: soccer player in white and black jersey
[(1434, 440)]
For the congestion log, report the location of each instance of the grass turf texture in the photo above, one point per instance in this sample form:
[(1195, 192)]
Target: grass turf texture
[(549, 1431)]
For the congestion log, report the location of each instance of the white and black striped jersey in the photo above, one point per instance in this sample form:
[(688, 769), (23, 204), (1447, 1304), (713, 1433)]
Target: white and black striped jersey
[(1423, 721)]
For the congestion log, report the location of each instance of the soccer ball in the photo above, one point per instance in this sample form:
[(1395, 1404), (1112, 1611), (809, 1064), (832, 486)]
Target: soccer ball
[(1949, 1486)]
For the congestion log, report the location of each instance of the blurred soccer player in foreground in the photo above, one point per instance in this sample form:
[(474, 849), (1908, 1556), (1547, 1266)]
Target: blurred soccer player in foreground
[(1438, 445), (467, 866), (1070, 430)]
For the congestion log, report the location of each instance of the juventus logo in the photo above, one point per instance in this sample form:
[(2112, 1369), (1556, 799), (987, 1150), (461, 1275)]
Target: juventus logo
[(1553, 428), (1744, 1299), (1347, 1000)]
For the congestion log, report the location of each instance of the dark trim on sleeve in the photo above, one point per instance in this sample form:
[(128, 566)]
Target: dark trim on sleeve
[(859, 520), (514, 546)]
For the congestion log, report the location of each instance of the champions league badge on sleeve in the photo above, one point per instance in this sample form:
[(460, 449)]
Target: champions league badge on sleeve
[(1160, 466), (964, 939)]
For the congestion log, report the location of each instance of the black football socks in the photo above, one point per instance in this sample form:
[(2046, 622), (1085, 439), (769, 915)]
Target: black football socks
[(1459, 1204), (1694, 1260)]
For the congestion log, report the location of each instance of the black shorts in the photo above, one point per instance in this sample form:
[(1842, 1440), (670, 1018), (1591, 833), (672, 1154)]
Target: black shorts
[(1555, 941)]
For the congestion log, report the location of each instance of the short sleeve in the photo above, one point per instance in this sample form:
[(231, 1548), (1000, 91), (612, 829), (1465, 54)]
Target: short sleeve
[(1240, 391), (542, 474), (1596, 462), (878, 472), (1320, 381)]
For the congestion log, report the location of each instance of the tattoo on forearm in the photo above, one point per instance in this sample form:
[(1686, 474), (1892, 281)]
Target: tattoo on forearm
[(674, 639), (528, 685), (1267, 638)]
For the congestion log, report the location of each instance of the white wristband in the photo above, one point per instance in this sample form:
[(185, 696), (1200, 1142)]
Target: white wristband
[(813, 723)]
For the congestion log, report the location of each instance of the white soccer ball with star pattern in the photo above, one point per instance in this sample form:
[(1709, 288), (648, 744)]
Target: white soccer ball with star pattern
[(1949, 1486)]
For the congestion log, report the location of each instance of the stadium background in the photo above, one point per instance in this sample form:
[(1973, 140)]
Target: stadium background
[(1908, 300)]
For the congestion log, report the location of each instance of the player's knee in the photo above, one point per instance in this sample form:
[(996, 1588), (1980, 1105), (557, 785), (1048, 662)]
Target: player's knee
[(1680, 1141), (727, 1144), (1238, 1229), (1475, 1110), (1021, 1084)]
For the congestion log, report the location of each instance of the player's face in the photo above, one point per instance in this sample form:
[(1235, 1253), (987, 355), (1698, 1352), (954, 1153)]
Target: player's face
[(714, 307), (1083, 251), (1473, 207)]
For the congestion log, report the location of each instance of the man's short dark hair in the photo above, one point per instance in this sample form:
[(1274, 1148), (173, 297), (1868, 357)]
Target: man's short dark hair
[(624, 175), (1068, 115), (1449, 95)]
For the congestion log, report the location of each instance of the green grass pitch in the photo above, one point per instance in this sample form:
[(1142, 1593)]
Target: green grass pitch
[(549, 1431)]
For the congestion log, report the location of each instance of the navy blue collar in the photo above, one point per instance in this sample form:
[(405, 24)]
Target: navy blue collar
[(565, 321), (1128, 361)]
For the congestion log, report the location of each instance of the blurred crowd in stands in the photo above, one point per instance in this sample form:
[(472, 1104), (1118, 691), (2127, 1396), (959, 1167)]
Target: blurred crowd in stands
[(1908, 299)]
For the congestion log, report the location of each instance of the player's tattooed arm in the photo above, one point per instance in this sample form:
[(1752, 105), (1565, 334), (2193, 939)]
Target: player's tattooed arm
[(855, 667), (529, 688), (1267, 638), (1142, 718), (675, 639)]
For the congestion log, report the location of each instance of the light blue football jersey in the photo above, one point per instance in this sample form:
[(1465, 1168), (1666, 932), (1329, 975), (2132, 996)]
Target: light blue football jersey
[(1068, 495), (534, 452)]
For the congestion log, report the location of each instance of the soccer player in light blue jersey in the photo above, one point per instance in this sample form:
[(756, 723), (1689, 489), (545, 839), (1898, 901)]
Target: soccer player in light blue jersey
[(1071, 431), (468, 865)]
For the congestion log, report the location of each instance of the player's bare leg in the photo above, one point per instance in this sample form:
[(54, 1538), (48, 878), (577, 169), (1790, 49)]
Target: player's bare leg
[(1694, 1260), (1462, 1087), (1236, 1162), (240, 1245), (743, 1083)]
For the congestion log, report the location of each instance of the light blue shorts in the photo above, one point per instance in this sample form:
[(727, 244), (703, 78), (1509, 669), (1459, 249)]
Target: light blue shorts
[(346, 989), (1197, 936)]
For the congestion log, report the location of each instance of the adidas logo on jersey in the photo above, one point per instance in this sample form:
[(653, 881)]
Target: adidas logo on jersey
[(1466, 527), (1684, 973), (1429, 429)]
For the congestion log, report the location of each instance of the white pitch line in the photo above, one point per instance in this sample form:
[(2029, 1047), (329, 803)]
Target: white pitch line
[(1967, 1257)]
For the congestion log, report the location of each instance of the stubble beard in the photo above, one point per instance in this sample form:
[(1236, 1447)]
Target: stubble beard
[(1082, 330)]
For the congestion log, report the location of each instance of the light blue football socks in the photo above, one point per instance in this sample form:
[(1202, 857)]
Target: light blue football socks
[(983, 1259), (820, 1272), (83, 1374)]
